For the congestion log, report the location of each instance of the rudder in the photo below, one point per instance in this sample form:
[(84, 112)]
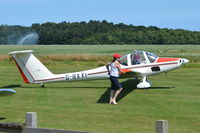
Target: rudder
[(31, 69)]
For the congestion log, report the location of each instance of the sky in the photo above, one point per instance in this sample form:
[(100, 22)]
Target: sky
[(172, 14)]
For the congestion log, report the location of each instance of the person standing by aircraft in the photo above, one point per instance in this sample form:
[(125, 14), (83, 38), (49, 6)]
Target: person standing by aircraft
[(114, 71)]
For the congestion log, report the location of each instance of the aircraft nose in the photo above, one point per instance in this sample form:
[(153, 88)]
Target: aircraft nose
[(184, 61)]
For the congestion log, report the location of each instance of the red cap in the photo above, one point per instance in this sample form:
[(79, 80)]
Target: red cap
[(117, 56)]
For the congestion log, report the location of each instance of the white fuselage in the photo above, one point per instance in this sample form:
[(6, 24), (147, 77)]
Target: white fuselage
[(102, 72)]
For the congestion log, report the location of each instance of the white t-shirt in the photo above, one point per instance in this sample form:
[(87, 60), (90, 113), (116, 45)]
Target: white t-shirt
[(114, 70)]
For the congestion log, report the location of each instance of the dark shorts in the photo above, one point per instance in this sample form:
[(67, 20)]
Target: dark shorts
[(115, 84)]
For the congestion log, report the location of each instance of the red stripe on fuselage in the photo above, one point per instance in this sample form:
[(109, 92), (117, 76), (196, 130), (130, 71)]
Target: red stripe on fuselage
[(97, 73), (168, 63), (50, 79), (124, 70), (160, 59)]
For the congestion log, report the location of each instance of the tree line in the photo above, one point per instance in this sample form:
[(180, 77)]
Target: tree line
[(99, 32)]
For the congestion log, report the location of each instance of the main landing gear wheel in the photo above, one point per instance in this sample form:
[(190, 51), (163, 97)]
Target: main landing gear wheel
[(144, 84)]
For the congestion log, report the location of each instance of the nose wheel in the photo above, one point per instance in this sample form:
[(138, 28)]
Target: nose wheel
[(144, 84)]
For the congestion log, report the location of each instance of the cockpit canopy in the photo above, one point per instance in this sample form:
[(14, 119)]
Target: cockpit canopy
[(139, 57)]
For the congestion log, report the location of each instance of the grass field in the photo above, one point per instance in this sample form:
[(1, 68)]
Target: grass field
[(82, 105)]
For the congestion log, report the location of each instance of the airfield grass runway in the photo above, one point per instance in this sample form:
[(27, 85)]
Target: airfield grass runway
[(82, 105)]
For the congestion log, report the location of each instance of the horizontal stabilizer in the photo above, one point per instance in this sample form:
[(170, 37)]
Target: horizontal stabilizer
[(20, 52)]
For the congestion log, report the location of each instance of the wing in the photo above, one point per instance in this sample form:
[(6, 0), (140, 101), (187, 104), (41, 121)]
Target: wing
[(128, 73)]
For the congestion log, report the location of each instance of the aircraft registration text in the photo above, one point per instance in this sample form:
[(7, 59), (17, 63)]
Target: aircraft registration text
[(75, 76)]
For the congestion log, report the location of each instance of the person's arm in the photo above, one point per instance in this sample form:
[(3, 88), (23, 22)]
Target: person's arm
[(117, 64), (107, 67)]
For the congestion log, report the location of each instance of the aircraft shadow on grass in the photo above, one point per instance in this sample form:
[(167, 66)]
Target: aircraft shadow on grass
[(70, 87), (128, 86), (2, 118), (161, 87), (11, 86)]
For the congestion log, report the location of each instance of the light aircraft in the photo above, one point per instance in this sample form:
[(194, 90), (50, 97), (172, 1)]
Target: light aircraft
[(136, 64)]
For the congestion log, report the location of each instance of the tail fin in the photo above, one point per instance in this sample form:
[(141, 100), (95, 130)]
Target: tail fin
[(31, 69)]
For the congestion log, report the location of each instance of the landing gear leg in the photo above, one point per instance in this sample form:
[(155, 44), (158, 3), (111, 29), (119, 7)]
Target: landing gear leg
[(144, 83)]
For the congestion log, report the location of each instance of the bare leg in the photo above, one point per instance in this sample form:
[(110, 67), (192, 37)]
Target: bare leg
[(112, 93), (115, 95)]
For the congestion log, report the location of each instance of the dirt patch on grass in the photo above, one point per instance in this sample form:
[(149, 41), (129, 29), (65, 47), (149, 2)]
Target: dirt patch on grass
[(5, 57), (81, 57)]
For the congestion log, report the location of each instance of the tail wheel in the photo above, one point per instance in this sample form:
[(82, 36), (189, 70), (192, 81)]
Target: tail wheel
[(42, 85)]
